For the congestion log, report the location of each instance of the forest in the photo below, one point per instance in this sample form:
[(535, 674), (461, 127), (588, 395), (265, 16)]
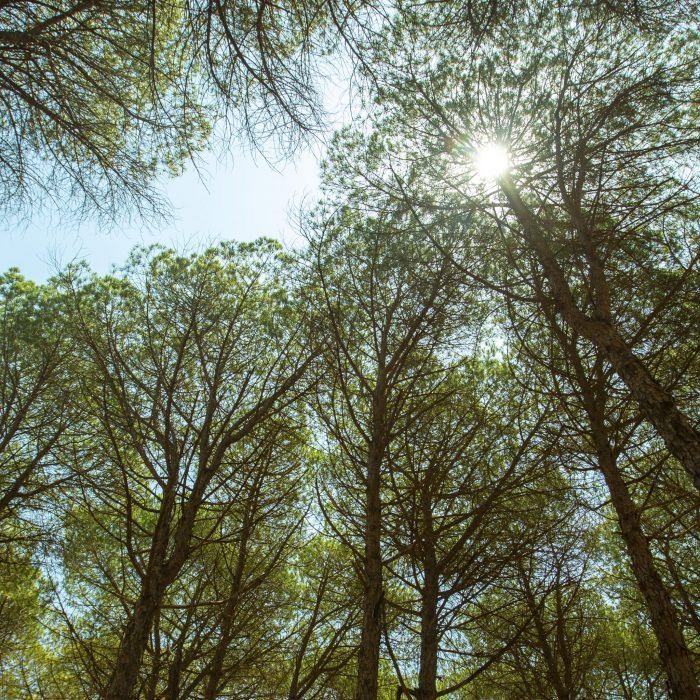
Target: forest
[(449, 447)]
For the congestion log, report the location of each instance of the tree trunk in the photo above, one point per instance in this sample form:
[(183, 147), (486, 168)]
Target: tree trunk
[(175, 670), (217, 663), (655, 403), (368, 657), (548, 654), (427, 674), (133, 644), (229, 614), (153, 586), (673, 650)]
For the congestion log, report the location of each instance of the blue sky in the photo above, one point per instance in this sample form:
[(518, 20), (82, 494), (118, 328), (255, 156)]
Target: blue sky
[(242, 197)]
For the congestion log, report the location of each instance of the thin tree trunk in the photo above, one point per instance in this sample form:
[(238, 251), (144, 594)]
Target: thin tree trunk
[(217, 664), (306, 637), (427, 674), (368, 657), (133, 644), (156, 663), (656, 404), (673, 649), (550, 661), (175, 670), (155, 582)]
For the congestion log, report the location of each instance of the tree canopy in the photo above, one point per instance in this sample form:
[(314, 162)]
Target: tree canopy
[(450, 447)]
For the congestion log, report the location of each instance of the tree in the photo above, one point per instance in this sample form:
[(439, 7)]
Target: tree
[(458, 516), (178, 392), (451, 451), (600, 125), (21, 586), (384, 301), (33, 391), (96, 104), (219, 626), (597, 209), (95, 117), (581, 385), (559, 653), (322, 649)]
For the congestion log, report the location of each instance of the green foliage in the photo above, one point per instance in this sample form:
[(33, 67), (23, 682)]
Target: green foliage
[(96, 104), (203, 456)]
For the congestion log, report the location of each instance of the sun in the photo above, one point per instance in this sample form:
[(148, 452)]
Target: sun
[(491, 161)]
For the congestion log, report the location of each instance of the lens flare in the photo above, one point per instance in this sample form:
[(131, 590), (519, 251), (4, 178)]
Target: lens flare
[(491, 161)]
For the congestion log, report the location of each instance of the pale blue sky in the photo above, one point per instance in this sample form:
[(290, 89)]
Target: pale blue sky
[(241, 198)]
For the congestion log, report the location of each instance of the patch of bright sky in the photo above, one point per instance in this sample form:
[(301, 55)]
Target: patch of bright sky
[(235, 197), (240, 197)]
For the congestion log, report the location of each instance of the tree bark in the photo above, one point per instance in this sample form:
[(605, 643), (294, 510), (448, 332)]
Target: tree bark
[(134, 642), (229, 614), (368, 657), (672, 647), (153, 586), (548, 654), (656, 404), (427, 674)]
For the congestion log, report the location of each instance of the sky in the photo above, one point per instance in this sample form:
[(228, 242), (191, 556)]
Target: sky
[(241, 197)]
